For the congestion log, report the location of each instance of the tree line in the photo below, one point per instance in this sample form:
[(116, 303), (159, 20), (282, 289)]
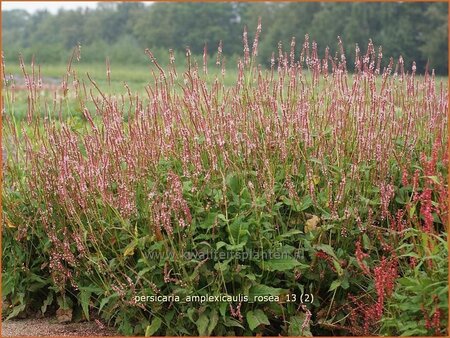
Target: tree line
[(121, 31)]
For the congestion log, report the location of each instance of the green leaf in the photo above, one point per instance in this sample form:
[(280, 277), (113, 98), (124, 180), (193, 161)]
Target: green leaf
[(220, 244), (435, 179), (209, 221), (222, 266), (327, 249), (105, 301), (336, 283), (281, 264), (85, 297), (213, 320), (263, 290), (16, 310), (169, 316), (237, 247), (7, 284), (256, 318), (368, 201), (237, 236), (296, 326), (39, 282), (415, 332), (338, 267), (234, 183), (153, 327), (223, 309), (64, 303), (366, 242), (305, 203), (286, 200), (344, 282), (290, 233), (190, 312), (330, 251), (129, 249), (202, 324), (222, 218), (48, 301), (251, 276), (412, 210), (230, 322)]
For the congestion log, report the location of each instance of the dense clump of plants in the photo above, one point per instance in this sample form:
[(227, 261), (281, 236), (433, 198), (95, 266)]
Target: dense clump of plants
[(322, 188)]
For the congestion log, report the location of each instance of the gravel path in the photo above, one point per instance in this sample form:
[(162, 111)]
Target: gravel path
[(50, 327)]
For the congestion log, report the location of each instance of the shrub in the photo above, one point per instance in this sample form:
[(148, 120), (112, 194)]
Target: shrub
[(307, 183)]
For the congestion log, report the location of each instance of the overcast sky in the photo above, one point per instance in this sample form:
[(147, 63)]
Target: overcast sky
[(51, 6)]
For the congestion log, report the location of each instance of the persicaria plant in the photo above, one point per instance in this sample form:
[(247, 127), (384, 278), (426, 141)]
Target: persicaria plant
[(341, 170)]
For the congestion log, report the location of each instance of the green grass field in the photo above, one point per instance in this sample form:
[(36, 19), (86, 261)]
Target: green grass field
[(134, 76)]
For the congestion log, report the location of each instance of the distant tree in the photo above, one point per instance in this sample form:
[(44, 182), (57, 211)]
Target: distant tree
[(434, 37), (15, 19), (70, 25), (155, 26), (401, 31), (187, 24), (290, 20), (14, 28), (417, 31)]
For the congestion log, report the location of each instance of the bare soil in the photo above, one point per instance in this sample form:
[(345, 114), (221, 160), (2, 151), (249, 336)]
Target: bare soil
[(51, 327)]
